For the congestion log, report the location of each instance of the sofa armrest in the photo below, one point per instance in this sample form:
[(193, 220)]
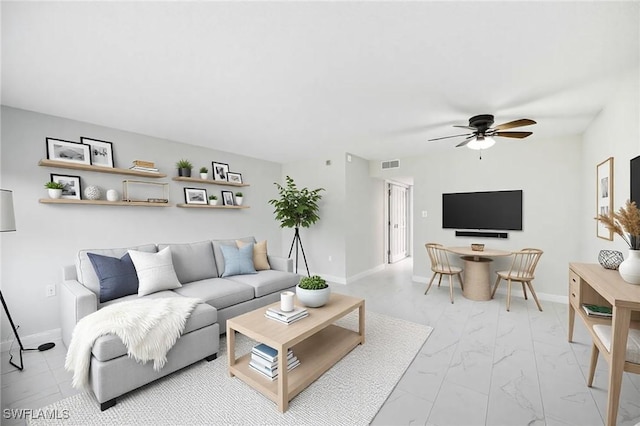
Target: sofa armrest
[(76, 302), (280, 263)]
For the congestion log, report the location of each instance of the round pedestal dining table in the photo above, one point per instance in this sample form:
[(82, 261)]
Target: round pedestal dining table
[(477, 280)]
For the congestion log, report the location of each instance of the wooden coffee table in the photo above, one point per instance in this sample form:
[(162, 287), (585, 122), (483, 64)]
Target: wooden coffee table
[(316, 341)]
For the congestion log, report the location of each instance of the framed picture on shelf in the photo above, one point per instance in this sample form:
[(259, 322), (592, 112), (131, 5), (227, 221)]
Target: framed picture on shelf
[(220, 171), (101, 152), (234, 177), (72, 189), (604, 196), (70, 152), (195, 196), (227, 198)]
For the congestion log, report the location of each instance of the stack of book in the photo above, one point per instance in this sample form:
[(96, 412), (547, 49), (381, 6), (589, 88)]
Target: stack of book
[(144, 166), (275, 313), (597, 311), (264, 360)]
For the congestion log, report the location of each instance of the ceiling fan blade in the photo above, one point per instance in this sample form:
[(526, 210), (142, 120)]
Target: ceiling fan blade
[(519, 135), (447, 137), (466, 127), (515, 123), (466, 141)]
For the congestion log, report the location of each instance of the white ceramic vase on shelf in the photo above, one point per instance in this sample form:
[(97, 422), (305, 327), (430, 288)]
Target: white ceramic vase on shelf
[(239, 201), (630, 268), (55, 193)]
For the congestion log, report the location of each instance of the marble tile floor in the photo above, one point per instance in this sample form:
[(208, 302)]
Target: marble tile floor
[(481, 365)]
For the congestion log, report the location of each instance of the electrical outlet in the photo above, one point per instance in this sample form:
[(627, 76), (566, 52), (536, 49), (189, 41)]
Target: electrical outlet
[(424, 213), (51, 290)]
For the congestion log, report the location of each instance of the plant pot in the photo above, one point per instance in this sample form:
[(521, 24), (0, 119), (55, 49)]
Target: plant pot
[(239, 201), (204, 176), (313, 298), (54, 193), (184, 172), (630, 268), (213, 202)]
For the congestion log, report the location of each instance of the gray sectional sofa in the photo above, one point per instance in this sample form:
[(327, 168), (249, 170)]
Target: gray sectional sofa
[(199, 268)]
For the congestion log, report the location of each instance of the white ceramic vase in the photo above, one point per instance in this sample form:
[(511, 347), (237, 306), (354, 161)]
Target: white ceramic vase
[(55, 193), (213, 202), (313, 298), (112, 195), (204, 176), (239, 201), (630, 268)]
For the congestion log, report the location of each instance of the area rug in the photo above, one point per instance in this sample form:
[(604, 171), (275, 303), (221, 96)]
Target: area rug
[(350, 393)]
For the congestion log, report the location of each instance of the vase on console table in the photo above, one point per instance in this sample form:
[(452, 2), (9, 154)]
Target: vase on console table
[(630, 268)]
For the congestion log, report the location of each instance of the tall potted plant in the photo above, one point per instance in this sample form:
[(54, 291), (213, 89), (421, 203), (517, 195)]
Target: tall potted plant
[(294, 209), (626, 223)]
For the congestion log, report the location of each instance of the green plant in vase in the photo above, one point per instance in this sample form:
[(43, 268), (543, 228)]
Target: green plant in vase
[(184, 168)]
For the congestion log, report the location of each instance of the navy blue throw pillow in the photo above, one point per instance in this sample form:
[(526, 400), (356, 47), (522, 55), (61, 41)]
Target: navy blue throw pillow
[(117, 277)]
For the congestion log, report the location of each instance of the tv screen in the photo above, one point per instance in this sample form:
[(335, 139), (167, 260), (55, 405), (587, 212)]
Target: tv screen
[(499, 210), (635, 180)]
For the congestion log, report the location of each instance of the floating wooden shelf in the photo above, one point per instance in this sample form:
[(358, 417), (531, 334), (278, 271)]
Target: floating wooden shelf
[(208, 206), (89, 168), (103, 202), (207, 181)]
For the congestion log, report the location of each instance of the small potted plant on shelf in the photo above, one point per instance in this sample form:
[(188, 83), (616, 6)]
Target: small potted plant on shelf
[(213, 200), (239, 198), (313, 291), (184, 168), (204, 173), (55, 189)]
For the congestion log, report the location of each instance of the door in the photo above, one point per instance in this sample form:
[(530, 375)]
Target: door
[(398, 221)]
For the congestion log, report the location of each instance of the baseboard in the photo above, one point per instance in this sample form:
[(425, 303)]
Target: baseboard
[(557, 298), (366, 273), (33, 340), (331, 278)]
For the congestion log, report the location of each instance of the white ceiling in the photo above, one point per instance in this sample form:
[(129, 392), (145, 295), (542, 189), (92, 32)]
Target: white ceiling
[(296, 80)]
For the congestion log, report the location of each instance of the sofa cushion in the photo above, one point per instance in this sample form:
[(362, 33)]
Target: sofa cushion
[(155, 271), (217, 251), (260, 260), (87, 275), (110, 346), (267, 282), (238, 261), (192, 262), (218, 292), (117, 277)]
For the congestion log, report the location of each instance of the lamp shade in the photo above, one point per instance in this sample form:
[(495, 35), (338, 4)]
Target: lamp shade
[(481, 142), (7, 217)]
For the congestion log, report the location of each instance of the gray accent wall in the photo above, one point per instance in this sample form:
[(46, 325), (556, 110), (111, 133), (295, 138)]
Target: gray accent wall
[(48, 236)]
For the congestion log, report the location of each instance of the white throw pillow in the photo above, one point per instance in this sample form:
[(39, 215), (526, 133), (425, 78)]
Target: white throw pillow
[(155, 271)]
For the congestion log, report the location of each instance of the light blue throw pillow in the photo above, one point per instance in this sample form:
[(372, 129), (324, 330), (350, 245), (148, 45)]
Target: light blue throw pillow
[(238, 261), (117, 277)]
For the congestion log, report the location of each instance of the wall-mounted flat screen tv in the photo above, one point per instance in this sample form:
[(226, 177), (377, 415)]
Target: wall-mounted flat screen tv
[(499, 210)]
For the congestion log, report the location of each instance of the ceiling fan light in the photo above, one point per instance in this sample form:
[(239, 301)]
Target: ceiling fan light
[(481, 142)]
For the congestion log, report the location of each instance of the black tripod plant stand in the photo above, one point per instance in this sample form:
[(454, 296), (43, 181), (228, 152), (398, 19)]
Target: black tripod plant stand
[(43, 347), (298, 243)]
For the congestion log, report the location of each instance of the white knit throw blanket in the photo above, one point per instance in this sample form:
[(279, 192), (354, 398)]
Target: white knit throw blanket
[(148, 328)]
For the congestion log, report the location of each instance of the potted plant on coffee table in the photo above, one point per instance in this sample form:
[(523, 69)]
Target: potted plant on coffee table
[(184, 168), (313, 291)]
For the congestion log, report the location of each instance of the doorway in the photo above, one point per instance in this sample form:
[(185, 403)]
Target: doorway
[(398, 220)]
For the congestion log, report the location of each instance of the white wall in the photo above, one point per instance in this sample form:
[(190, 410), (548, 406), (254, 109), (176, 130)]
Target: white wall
[(614, 133), (548, 171), (49, 236)]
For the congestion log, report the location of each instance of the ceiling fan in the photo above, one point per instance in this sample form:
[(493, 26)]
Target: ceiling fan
[(482, 133)]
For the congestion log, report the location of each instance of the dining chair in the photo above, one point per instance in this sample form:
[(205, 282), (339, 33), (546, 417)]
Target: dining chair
[(522, 270), (632, 359), (440, 266)]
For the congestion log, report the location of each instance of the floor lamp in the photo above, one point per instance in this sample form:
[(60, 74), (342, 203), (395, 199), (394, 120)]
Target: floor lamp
[(8, 224)]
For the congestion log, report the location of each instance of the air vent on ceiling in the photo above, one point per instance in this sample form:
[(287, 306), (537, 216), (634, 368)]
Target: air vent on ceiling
[(391, 164)]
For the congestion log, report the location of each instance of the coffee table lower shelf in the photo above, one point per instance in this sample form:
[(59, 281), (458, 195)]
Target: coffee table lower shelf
[(317, 354)]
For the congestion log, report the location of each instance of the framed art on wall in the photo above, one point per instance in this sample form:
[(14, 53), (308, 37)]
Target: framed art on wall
[(227, 198), (72, 188), (604, 196), (234, 177), (220, 171), (70, 152), (195, 196), (101, 152)]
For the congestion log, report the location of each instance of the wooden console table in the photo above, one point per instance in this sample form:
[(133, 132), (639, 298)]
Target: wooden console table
[(592, 284)]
